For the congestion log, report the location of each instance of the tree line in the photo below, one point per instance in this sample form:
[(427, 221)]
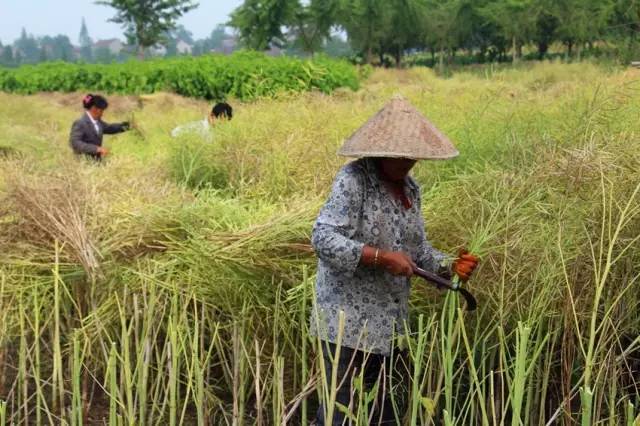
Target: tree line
[(29, 49), (488, 30), (483, 30)]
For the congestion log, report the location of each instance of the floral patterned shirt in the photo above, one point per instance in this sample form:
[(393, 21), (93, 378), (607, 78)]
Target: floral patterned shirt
[(362, 211)]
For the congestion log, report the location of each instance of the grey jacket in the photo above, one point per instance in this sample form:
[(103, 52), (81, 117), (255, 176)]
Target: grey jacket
[(85, 140)]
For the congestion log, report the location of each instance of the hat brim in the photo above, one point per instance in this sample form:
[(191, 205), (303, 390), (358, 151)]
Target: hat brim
[(399, 130)]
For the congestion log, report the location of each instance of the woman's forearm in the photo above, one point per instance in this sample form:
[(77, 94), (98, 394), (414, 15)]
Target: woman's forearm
[(398, 263)]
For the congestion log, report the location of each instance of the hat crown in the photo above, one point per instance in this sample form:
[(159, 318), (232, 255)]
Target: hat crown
[(399, 130)]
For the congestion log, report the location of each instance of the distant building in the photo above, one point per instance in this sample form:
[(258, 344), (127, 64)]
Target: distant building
[(158, 50), (48, 48), (183, 48), (228, 46), (274, 51), (114, 45)]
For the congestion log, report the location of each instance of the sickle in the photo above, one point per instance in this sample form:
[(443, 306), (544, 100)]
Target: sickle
[(444, 283)]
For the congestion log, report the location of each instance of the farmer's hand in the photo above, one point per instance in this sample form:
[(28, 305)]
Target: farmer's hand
[(465, 264), (397, 263), (102, 152)]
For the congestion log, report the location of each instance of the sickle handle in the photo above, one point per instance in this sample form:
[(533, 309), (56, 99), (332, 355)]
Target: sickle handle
[(445, 283), (434, 278)]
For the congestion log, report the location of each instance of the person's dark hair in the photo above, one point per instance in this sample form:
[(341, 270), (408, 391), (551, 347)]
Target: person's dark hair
[(94, 100), (222, 109)]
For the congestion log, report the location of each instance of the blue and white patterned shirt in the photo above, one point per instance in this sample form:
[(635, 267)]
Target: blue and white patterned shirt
[(362, 211)]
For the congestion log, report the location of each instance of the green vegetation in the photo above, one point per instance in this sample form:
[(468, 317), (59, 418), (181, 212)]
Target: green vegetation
[(243, 75), (146, 24), (487, 30), (173, 285)]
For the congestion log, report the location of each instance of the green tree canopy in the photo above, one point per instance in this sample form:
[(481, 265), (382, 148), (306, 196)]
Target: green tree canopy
[(146, 22), (261, 22)]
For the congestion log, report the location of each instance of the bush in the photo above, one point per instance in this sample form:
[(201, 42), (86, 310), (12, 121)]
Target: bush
[(196, 165), (244, 75)]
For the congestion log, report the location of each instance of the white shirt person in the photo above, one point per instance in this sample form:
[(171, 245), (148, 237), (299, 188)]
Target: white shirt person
[(203, 128)]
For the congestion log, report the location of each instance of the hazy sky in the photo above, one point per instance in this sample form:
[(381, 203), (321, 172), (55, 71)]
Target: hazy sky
[(52, 17)]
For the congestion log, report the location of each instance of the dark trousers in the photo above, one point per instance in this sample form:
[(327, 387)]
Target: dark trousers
[(391, 373)]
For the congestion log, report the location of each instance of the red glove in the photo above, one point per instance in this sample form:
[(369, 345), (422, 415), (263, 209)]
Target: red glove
[(465, 264)]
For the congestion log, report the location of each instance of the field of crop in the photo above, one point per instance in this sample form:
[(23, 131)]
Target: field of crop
[(244, 75), (173, 284)]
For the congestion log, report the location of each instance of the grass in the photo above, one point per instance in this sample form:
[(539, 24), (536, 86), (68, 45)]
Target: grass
[(174, 283)]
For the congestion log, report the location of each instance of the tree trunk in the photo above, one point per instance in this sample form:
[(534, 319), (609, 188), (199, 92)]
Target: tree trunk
[(519, 47), (399, 57), (514, 47), (369, 55), (543, 48), (140, 52), (441, 65), (433, 56), (579, 51)]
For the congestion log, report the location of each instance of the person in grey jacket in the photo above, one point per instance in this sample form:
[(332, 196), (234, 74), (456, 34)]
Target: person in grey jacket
[(87, 131)]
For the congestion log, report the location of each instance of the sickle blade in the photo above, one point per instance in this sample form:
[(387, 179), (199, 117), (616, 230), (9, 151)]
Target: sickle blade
[(440, 282), (468, 297)]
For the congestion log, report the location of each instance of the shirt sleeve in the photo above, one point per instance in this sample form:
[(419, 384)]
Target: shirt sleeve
[(177, 131), (198, 127), (112, 129), (428, 257), (338, 221)]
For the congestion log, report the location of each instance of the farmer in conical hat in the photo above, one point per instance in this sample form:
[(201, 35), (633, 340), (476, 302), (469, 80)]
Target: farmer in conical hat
[(369, 237)]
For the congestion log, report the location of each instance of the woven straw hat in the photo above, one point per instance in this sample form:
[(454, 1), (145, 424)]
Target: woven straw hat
[(399, 130)]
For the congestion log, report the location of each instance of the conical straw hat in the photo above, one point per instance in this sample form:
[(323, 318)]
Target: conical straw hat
[(399, 130)]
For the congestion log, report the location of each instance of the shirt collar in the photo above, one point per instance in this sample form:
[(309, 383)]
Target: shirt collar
[(93, 120), (371, 170)]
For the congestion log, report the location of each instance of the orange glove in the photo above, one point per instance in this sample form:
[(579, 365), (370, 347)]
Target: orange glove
[(465, 264)]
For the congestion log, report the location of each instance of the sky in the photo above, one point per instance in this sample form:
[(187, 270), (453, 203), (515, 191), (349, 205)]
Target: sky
[(53, 17)]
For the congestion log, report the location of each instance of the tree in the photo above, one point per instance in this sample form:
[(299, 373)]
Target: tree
[(27, 48), (546, 30), (103, 55), (442, 24), (58, 48), (625, 23), (85, 42), (260, 22), (44, 57), (217, 37), (174, 36), (580, 21), (516, 20), (312, 23), (147, 22), (84, 39), (7, 56), (336, 46), (404, 27), (365, 22)]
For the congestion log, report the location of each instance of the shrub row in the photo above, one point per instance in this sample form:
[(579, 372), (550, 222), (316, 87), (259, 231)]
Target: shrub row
[(243, 75)]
